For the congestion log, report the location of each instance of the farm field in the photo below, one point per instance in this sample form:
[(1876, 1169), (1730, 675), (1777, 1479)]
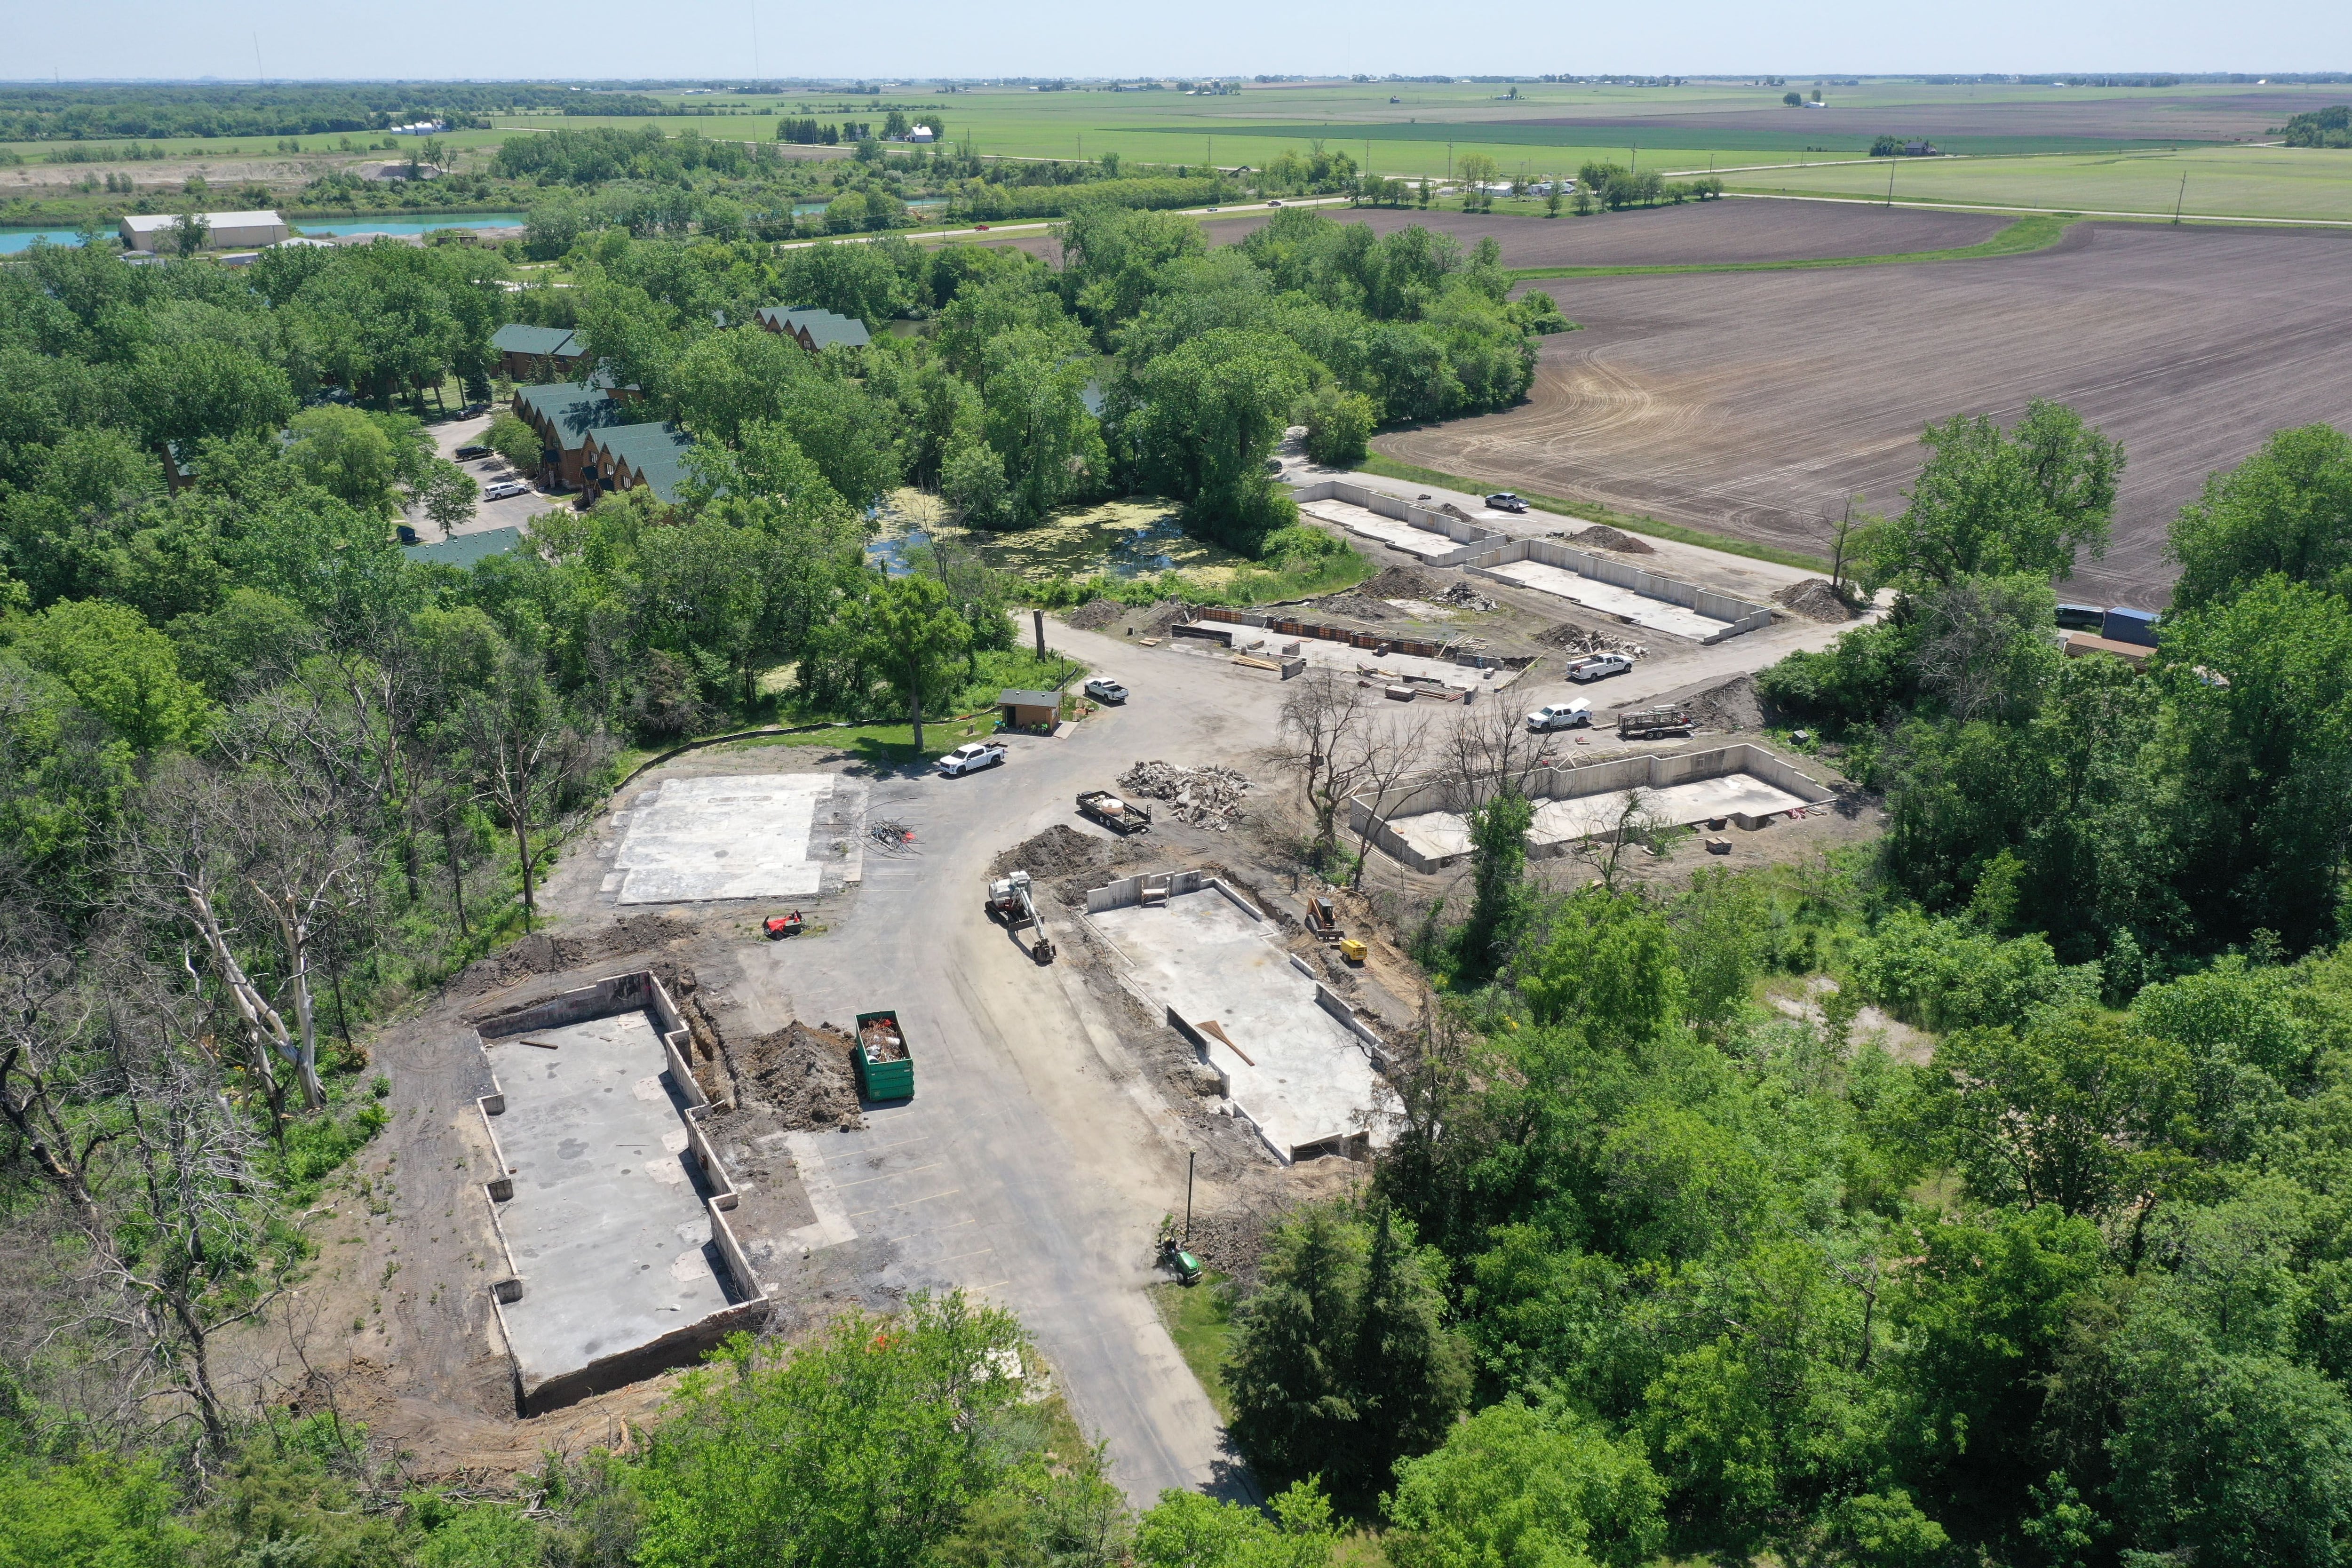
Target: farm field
[(1752, 404), (2229, 182)]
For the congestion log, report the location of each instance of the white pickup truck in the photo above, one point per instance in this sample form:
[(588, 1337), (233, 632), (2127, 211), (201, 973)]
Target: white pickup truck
[(971, 758), (1552, 716), (1594, 666)]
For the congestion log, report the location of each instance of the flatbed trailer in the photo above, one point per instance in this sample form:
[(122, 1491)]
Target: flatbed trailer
[(1121, 817), (1650, 723)]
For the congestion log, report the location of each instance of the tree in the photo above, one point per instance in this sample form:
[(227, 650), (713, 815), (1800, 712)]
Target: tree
[(1994, 503), (1324, 716), (1609, 968), (1340, 1367), (1033, 409), (1186, 1529), (1339, 423), (914, 637), (1515, 1488), (1477, 171), (201, 390), (118, 668), (515, 441), (1210, 414), (346, 454), (521, 745), (868, 1447), (450, 494), (2286, 509), (191, 231), (1501, 900)]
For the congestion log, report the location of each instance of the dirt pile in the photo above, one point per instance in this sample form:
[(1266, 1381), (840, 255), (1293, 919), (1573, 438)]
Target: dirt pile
[(544, 952), (803, 1075), (1164, 615), (1576, 639), (1094, 614), (1060, 851), (1734, 705), (1815, 600), (1204, 797), (1601, 536), (1399, 582), (1450, 509)]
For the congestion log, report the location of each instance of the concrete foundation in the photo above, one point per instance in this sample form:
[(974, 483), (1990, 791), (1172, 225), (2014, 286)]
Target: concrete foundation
[(1297, 1063), (1439, 538), (607, 1198), (1601, 582), (1608, 599), (768, 836), (1424, 824)]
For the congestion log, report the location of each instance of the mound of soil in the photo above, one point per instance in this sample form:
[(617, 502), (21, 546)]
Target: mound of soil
[(1574, 638), (546, 953), (1734, 705), (803, 1075), (1601, 536), (1165, 614), (1060, 851), (1815, 600), (1399, 582), (1095, 612)]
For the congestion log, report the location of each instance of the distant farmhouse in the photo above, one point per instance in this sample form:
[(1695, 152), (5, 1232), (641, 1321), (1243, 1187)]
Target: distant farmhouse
[(152, 232), (816, 329)]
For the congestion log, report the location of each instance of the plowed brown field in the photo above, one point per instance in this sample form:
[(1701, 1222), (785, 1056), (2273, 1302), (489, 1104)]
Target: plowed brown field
[(1752, 404)]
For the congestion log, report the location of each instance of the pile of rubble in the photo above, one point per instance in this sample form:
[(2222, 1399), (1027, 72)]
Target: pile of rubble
[(1815, 600), (1462, 596), (1202, 797), (1575, 639)]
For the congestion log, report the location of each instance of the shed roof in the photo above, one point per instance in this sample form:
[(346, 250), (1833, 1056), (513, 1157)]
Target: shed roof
[(515, 338), (573, 410), (466, 548), (1008, 698)]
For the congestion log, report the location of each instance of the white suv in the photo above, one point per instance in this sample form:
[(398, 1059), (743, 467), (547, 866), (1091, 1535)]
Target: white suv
[(971, 758)]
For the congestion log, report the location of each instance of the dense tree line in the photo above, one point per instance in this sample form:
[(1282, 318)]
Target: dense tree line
[(30, 112)]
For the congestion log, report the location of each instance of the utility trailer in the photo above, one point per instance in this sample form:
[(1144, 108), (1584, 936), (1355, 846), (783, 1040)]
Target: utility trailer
[(1121, 817), (886, 1070), (1650, 723)]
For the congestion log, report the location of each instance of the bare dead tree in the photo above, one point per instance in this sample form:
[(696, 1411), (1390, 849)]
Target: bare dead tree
[(1981, 643), (519, 739), (1385, 756), (1487, 749), (1324, 718), (1843, 531), (295, 886), (55, 1093)]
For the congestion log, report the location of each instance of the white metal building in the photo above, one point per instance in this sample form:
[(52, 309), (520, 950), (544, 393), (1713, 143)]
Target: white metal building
[(227, 231)]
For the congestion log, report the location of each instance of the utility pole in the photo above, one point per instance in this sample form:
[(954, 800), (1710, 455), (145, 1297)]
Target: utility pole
[(2179, 197), (1637, 161), (1890, 182), (1449, 160), (1190, 1155), (755, 41)]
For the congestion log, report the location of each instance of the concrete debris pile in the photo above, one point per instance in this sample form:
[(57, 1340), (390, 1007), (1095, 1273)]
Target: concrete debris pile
[(1601, 536), (1204, 797), (1462, 596), (803, 1075), (1575, 639), (1815, 600), (1094, 614)]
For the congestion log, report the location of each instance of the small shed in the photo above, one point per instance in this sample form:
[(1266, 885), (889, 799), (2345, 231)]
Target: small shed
[(1029, 709)]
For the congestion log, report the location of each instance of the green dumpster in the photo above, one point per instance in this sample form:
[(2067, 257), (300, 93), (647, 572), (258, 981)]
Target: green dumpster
[(885, 1068)]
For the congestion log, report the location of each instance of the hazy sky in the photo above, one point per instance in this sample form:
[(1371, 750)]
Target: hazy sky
[(506, 40)]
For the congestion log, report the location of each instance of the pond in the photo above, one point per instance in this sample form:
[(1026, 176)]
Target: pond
[(15, 240), (1119, 539)]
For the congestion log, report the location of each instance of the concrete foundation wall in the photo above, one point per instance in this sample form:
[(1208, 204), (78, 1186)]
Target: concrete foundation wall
[(638, 991), (1469, 535), (1737, 615), (1128, 891), (1611, 776)]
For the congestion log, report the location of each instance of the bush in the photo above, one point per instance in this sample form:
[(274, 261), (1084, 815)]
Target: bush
[(1339, 424), (515, 441)]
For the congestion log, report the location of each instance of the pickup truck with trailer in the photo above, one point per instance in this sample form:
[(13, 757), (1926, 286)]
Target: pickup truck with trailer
[(1599, 665), (1121, 817), (1650, 724), (885, 1068), (1553, 716)]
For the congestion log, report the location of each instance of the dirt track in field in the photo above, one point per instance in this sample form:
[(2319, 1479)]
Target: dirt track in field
[(2120, 113), (1752, 404)]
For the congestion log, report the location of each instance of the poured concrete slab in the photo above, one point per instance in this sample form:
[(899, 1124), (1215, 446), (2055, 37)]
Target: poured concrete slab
[(1658, 615), (1299, 1075), (1371, 524), (763, 836), (609, 1235), (1581, 816), (1435, 834)]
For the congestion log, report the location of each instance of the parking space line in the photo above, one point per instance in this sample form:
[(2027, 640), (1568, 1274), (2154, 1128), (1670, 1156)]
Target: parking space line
[(953, 1225), (888, 1174), (974, 1253), (880, 1148), (908, 1204)]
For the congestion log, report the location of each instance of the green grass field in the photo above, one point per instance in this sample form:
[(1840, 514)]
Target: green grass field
[(2231, 182)]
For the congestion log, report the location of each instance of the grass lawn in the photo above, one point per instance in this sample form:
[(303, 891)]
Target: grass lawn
[(2231, 181), (1201, 1321)]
